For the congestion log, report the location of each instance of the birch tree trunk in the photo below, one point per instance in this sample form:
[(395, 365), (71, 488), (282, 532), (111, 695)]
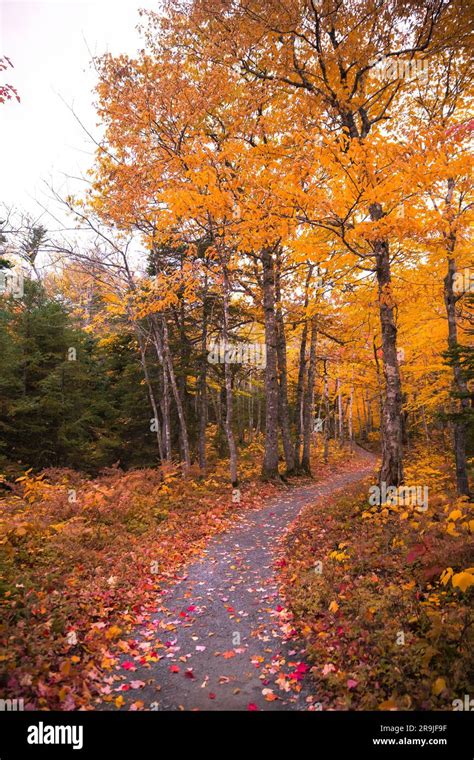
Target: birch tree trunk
[(151, 393), (162, 346), (165, 396), (391, 471)]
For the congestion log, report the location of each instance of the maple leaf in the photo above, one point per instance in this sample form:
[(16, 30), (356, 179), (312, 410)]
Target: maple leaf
[(269, 695)]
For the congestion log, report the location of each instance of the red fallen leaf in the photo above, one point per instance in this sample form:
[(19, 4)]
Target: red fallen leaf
[(230, 609), (189, 673), (429, 573), (301, 669), (252, 707), (229, 654), (191, 608), (415, 552), (182, 614), (128, 665), (174, 668), (279, 608), (212, 695)]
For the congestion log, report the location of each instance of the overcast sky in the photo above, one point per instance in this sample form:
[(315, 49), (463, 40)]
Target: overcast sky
[(48, 44)]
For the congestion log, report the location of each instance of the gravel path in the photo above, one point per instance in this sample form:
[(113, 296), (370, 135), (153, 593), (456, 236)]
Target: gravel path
[(222, 634)]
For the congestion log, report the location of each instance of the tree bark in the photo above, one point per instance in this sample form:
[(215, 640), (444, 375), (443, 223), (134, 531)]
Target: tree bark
[(165, 398), (391, 471), (203, 383), (459, 384), (162, 347), (229, 400), (340, 414), (351, 427), (283, 408), (270, 457), (151, 393), (301, 377), (309, 399), (326, 413)]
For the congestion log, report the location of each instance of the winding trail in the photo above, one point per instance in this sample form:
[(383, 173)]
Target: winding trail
[(222, 634)]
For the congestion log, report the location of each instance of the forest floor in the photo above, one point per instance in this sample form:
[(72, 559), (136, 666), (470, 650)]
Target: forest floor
[(150, 591), (222, 637)]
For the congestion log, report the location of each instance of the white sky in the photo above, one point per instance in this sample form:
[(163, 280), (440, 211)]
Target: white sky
[(48, 43)]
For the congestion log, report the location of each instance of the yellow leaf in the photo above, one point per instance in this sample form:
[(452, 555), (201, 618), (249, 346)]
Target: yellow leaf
[(455, 514), (113, 632), (389, 704), (463, 580), (58, 526), (119, 701), (438, 686), (446, 575), (333, 607)]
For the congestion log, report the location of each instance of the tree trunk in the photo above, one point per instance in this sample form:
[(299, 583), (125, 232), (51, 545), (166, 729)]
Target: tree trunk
[(326, 413), (459, 385), (203, 383), (301, 377), (340, 414), (165, 398), (351, 427), (283, 408), (162, 346), (391, 471), (228, 389), (270, 457), (151, 393), (309, 399)]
